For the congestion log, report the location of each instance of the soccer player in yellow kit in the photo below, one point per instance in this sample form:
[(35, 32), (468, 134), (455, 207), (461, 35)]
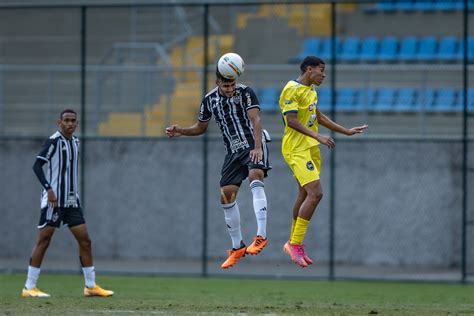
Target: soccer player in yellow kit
[(299, 106)]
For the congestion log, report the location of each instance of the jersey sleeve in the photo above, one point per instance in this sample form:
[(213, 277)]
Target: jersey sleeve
[(250, 99), (49, 147), (289, 102), (205, 113)]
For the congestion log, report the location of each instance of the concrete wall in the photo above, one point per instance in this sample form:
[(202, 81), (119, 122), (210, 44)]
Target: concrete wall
[(398, 203)]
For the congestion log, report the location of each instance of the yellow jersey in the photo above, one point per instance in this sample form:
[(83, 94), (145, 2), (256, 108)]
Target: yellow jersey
[(298, 98)]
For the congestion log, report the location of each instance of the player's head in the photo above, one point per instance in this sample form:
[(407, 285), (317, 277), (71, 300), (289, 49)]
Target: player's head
[(226, 86), (312, 68), (68, 122)]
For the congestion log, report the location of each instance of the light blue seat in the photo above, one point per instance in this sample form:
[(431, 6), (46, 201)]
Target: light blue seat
[(268, 98), (470, 100), (424, 5), (426, 99), (326, 48), (350, 49), (369, 49), (366, 99), (324, 98), (388, 49), (445, 100), (448, 5), (427, 49), (345, 99), (448, 47), (405, 5), (311, 46), (406, 100), (385, 100), (470, 48), (408, 49)]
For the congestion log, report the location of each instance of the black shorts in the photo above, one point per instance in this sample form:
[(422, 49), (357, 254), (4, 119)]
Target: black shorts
[(70, 216), (237, 165)]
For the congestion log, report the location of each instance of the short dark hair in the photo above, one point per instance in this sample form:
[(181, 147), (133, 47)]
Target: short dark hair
[(67, 111), (310, 61), (221, 77)]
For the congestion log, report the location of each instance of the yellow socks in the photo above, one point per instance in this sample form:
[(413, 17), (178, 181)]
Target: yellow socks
[(298, 231)]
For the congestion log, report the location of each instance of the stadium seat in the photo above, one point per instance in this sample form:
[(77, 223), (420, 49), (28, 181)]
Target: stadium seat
[(388, 49), (445, 100), (345, 99), (424, 5), (369, 49), (447, 49), (324, 98), (382, 6), (405, 5), (408, 49), (426, 99), (470, 49), (366, 99), (350, 49), (311, 46), (325, 51), (448, 4), (470, 100), (268, 98), (427, 49), (385, 100), (405, 100)]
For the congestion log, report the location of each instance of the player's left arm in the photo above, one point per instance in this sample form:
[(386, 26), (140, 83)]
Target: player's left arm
[(256, 153), (330, 124)]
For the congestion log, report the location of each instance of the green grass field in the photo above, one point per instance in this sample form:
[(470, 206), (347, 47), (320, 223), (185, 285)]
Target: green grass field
[(233, 296)]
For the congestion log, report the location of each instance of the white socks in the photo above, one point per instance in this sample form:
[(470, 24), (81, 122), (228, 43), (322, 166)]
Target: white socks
[(89, 276), (260, 207), (32, 278), (232, 219)]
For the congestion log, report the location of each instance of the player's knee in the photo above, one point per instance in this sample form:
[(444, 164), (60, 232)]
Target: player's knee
[(315, 196), (227, 196), (85, 244), (44, 242)]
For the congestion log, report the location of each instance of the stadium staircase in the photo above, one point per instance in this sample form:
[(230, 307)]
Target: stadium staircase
[(182, 105)]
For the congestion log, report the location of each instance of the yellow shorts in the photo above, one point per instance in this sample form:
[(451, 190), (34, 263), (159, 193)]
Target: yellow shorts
[(306, 164)]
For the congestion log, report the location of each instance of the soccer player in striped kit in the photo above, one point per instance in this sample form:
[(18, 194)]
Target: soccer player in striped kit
[(60, 204), (236, 110)]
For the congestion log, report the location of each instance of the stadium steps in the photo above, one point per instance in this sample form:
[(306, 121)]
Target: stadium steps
[(182, 105)]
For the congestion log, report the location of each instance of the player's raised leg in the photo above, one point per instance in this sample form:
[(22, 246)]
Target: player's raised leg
[(260, 209)]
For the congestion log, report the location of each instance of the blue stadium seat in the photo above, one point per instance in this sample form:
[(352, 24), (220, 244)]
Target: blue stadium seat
[(366, 99), (268, 98), (470, 48), (388, 49), (369, 49), (470, 100), (426, 99), (424, 5), (311, 46), (382, 6), (408, 49), (445, 100), (325, 51), (449, 4), (345, 99), (324, 98), (448, 47), (427, 49), (385, 100), (405, 5), (350, 49), (406, 100)]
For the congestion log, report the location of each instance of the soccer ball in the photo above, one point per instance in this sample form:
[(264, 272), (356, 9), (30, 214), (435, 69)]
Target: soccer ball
[(230, 65)]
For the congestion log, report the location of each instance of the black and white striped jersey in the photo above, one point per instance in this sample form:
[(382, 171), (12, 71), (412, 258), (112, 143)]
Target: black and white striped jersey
[(61, 155), (231, 116)]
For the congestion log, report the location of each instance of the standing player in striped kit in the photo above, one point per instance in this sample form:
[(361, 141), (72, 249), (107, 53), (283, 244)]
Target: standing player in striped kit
[(60, 203), (236, 110)]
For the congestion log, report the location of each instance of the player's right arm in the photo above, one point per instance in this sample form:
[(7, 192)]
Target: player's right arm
[(197, 129), (294, 123), (43, 157)]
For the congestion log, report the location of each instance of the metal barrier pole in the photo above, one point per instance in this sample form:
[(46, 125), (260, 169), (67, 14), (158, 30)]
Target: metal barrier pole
[(205, 147), (464, 146)]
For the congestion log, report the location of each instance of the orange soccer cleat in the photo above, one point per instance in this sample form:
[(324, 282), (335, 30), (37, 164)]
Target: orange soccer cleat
[(34, 292), (234, 256), (257, 245), (97, 291)]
